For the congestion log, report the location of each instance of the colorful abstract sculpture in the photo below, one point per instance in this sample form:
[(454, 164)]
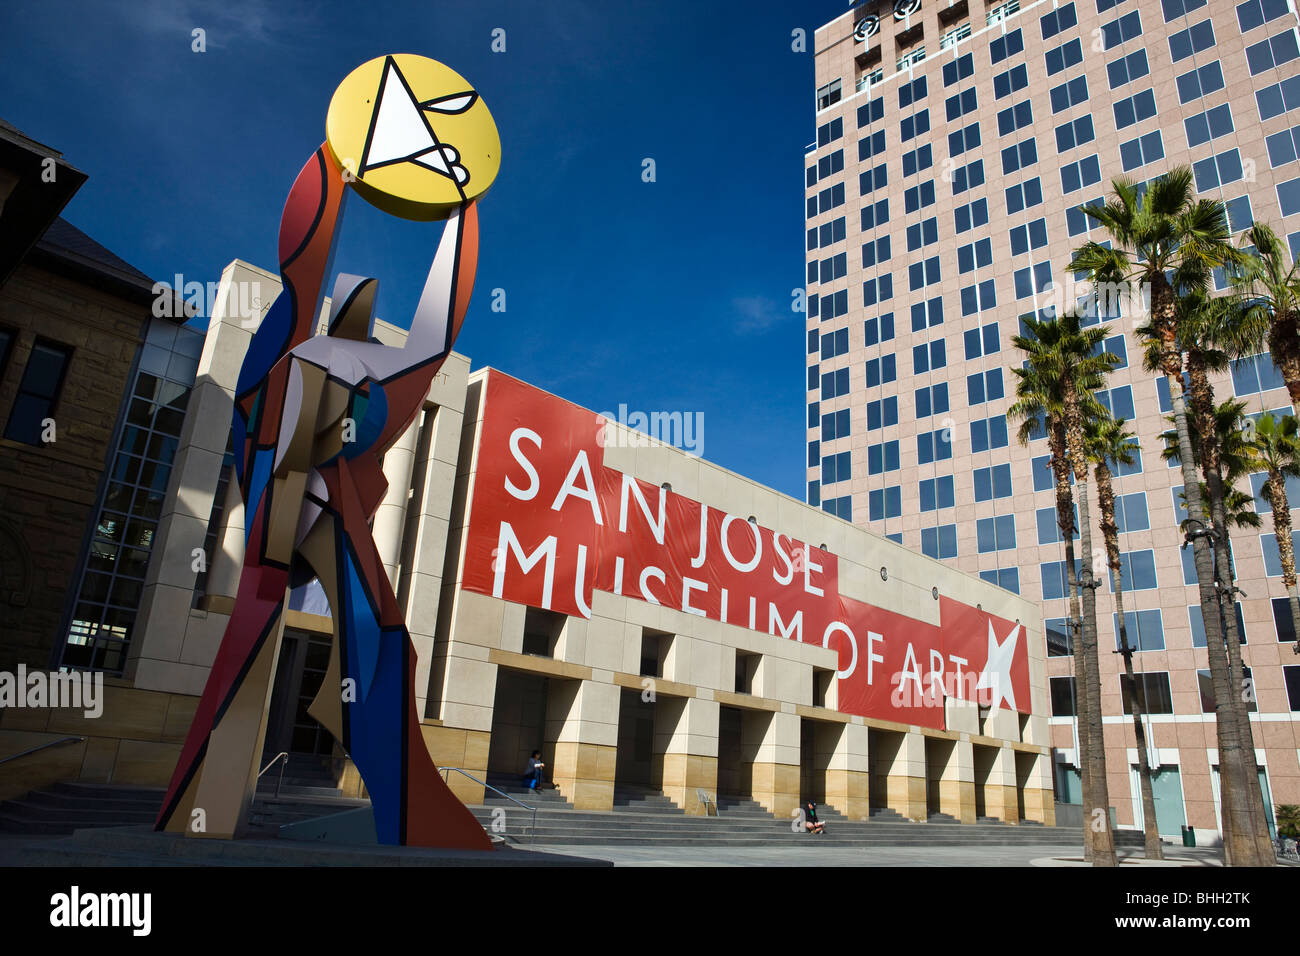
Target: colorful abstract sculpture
[(313, 415)]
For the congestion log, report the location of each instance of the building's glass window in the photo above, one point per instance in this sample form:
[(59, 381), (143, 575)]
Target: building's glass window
[(1144, 630), (940, 542), (876, 290), (1173, 9), (921, 234), (1137, 571), (1074, 134), (835, 425), (881, 370), (927, 314), (1256, 13), (959, 104), (1121, 30), (918, 196), (1201, 81), (933, 446), (978, 297), (1010, 81), (1283, 623), (967, 177), (1059, 643), (1134, 109), (1206, 684), (1015, 117), (974, 255), (1049, 527), (1272, 559), (1031, 279), (835, 383), (1077, 221), (964, 139), (982, 341), (882, 413), (1214, 123), (993, 482), (873, 179), (1288, 197), (937, 493), (984, 386), (923, 273), (875, 214), (1197, 621), (1052, 576), (38, 391), (932, 400), (917, 159), (1126, 69), (828, 133), (1024, 195), (929, 356), (1131, 512), (1017, 157), (878, 329), (840, 507), (1079, 174), (828, 95), (882, 457), (1192, 40), (1008, 45), (959, 69), (1063, 57), (885, 502), (1218, 170), (972, 215), (995, 534), (1154, 690), (989, 433), (1032, 235), (1006, 578), (1273, 52), (836, 468), (913, 126), (874, 253), (1254, 373), (1062, 18), (1062, 689), (873, 145), (871, 112)]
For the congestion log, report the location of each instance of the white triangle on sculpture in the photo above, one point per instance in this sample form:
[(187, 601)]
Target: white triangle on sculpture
[(434, 159), (400, 132)]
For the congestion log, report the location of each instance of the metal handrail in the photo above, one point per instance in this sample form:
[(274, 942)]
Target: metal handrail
[(32, 750), (532, 833), (283, 758)]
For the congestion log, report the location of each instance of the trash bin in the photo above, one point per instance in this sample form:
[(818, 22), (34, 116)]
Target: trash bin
[(1189, 836)]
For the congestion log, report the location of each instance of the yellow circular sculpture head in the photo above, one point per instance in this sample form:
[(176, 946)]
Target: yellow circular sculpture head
[(413, 137)]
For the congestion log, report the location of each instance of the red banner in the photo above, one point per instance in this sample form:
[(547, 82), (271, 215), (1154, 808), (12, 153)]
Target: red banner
[(549, 524)]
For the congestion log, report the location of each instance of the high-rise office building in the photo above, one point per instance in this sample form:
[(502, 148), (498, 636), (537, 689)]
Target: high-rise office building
[(956, 141)]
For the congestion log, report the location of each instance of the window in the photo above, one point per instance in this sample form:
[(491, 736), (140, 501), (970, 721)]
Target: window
[(1062, 18), (959, 104), (922, 274), (932, 400), (1197, 620), (1192, 40), (1015, 117), (1134, 109), (885, 502), (38, 391), (1126, 69), (878, 289), (830, 197), (840, 507), (829, 166), (875, 214), (868, 113), (1063, 57), (1032, 235), (1212, 124), (1077, 221), (1115, 346), (979, 297), (913, 126), (968, 177), (993, 482), (835, 425), (982, 341), (1002, 11), (1174, 9), (828, 133), (933, 446), (1142, 151), (1062, 691), (1070, 93), (917, 159), (874, 253), (881, 413), (928, 356), (879, 329), (1024, 195), (1121, 30), (872, 145), (1083, 173), (984, 386), (1283, 623), (1057, 630), (1218, 170), (989, 433), (1278, 98), (812, 414), (1273, 560), (866, 80), (1272, 53), (972, 215), (1049, 525), (1017, 157), (909, 60), (995, 534), (1283, 147), (1010, 81), (828, 95), (834, 343), (921, 234), (873, 179), (812, 341), (964, 139), (954, 36), (927, 314), (1005, 46), (1201, 81), (882, 458), (1137, 571), (835, 383), (1031, 279), (836, 267), (918, 196), (1153, 691), (1053, 579), (1074, 134), (1131, 512), (937, 493), (940, 542), (881, 370), (1256, 13), (909, 93), (1206, 684), (1257, 482), (836, 468), (832, 306), (1041, 469), (1288, 197), (974, 255), (959, 69)]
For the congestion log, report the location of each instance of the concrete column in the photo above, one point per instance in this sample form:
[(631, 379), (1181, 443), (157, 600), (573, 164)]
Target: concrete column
[(906, 777), (390, 516), (1034, 777), (1000, 787), (582, 727), (689, 748), (775, 768), (226, 563), (957, 782), (847, 773)]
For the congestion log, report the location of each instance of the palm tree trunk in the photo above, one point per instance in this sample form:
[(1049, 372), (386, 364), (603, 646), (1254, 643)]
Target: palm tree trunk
[(1238, 844), (1097, 812), (1065, 521), (1106, 501)]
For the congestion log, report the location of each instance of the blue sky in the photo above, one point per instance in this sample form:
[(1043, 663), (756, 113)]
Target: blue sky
[(673, 295)]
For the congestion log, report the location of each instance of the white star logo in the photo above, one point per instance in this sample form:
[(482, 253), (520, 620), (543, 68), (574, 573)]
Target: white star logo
[(996, 675)]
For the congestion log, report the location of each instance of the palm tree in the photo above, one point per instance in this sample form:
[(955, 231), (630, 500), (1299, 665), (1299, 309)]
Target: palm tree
[(1270, 290), (1065, 365), (1167, 242), (1109, 441), (1276, 451)]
